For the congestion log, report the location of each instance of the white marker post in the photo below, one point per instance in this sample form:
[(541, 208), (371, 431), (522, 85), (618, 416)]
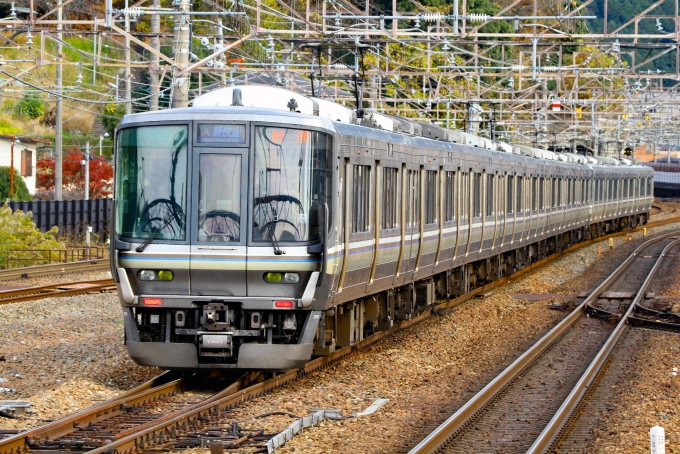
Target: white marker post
[(658, 439)]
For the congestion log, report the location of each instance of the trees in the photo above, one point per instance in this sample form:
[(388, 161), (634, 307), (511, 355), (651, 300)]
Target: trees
[(21, 193), (73, 174), (18, 232), (111, 116)]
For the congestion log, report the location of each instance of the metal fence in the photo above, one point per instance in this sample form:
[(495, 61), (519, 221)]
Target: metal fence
[(71, 216)]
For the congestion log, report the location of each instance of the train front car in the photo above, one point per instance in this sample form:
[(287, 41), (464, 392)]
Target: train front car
[(218, 245)]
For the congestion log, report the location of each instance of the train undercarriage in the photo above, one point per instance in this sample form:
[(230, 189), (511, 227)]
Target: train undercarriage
[(351, 322)]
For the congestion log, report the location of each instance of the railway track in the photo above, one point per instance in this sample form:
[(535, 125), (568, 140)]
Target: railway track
[(526, 407), (54, 269), (201, 421), (53, 290), (158, 399)]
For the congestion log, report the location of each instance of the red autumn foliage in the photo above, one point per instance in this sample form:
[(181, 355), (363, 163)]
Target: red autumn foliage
[(73, 174)]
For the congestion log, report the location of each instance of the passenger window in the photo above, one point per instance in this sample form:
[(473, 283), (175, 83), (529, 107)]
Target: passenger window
[(541, 193), (520, 190), (534, 193), (649, 187), (449, 196), (477, 195), (390, 197), (489, 195), (362, 199), (431, 198), (415, 197), (511, 182)]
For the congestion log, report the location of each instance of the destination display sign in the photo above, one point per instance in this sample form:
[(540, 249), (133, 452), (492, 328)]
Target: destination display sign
[(210, 133)]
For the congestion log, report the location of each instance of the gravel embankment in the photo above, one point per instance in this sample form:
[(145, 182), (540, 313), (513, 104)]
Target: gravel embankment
[(73, 355), (64, 354)]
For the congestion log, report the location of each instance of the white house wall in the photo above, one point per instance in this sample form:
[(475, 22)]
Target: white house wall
[(5, 152)]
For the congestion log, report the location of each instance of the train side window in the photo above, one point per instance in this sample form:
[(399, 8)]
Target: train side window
[(541, 193), (625, 189), (415, 198), (643, 188), (553, 191), (361, 221), (489, 194), (511, 182), (649, 186), (520, 190), (449, 196), (534, 193), (431, 197), (390, 198), (477, 195)]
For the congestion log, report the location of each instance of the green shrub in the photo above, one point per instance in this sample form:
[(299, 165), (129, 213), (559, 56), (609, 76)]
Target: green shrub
[(31, 106), (21, 193), (18, 232)]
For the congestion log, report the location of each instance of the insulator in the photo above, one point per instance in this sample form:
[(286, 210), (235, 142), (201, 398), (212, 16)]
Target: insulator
[(339, 66), (550, 69), (478, 17), (133, 12), (430, 17), (517, 68)]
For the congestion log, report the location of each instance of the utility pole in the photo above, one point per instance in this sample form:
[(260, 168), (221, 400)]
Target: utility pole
[(153, 70), (58, 114), (128, 82), (180, 93), (11, 167), (87, 170)]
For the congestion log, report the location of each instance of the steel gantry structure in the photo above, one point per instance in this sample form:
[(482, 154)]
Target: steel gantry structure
[(536, 73)]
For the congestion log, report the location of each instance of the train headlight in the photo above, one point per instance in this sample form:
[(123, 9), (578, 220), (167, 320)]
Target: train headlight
[(291, 278), (151, 275), (283, 278), (165, 275), (273, 278), (146, 275)]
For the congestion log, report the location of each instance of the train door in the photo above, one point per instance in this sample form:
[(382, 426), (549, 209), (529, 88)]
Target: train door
[(218, 246)]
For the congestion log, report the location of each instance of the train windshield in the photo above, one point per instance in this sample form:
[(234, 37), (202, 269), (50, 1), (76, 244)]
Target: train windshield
[(151, 182), (291, 185)]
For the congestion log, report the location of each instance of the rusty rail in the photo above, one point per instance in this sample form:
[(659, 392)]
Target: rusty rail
[(143, 436), (61, 289), (457, 421), (49, 270), (160, 385), (552, 431)]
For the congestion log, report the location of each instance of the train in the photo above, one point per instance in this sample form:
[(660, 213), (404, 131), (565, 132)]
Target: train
[(260, 227)]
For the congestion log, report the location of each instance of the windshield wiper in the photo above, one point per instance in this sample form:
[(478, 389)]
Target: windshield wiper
[(172, 215)]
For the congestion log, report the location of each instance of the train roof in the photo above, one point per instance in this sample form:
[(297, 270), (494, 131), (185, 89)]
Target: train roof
[(257, 102)]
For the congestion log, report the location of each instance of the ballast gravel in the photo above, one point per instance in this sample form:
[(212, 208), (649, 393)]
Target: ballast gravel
[(69, 355), (64, 354)]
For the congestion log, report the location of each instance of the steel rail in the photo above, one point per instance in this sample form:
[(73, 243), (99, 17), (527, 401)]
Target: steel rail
[(238, 392), (158, 386), (544, 442), (468, 411), (53, 268), (144, 436), (52, 290)]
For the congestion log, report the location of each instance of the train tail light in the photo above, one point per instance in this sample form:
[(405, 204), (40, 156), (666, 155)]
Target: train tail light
[(152, 301), (283, 304)]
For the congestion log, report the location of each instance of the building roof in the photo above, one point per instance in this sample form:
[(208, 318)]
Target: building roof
[(33, 140)]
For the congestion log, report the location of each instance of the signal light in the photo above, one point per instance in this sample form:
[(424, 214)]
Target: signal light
[(284, 304), (152, 301)]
